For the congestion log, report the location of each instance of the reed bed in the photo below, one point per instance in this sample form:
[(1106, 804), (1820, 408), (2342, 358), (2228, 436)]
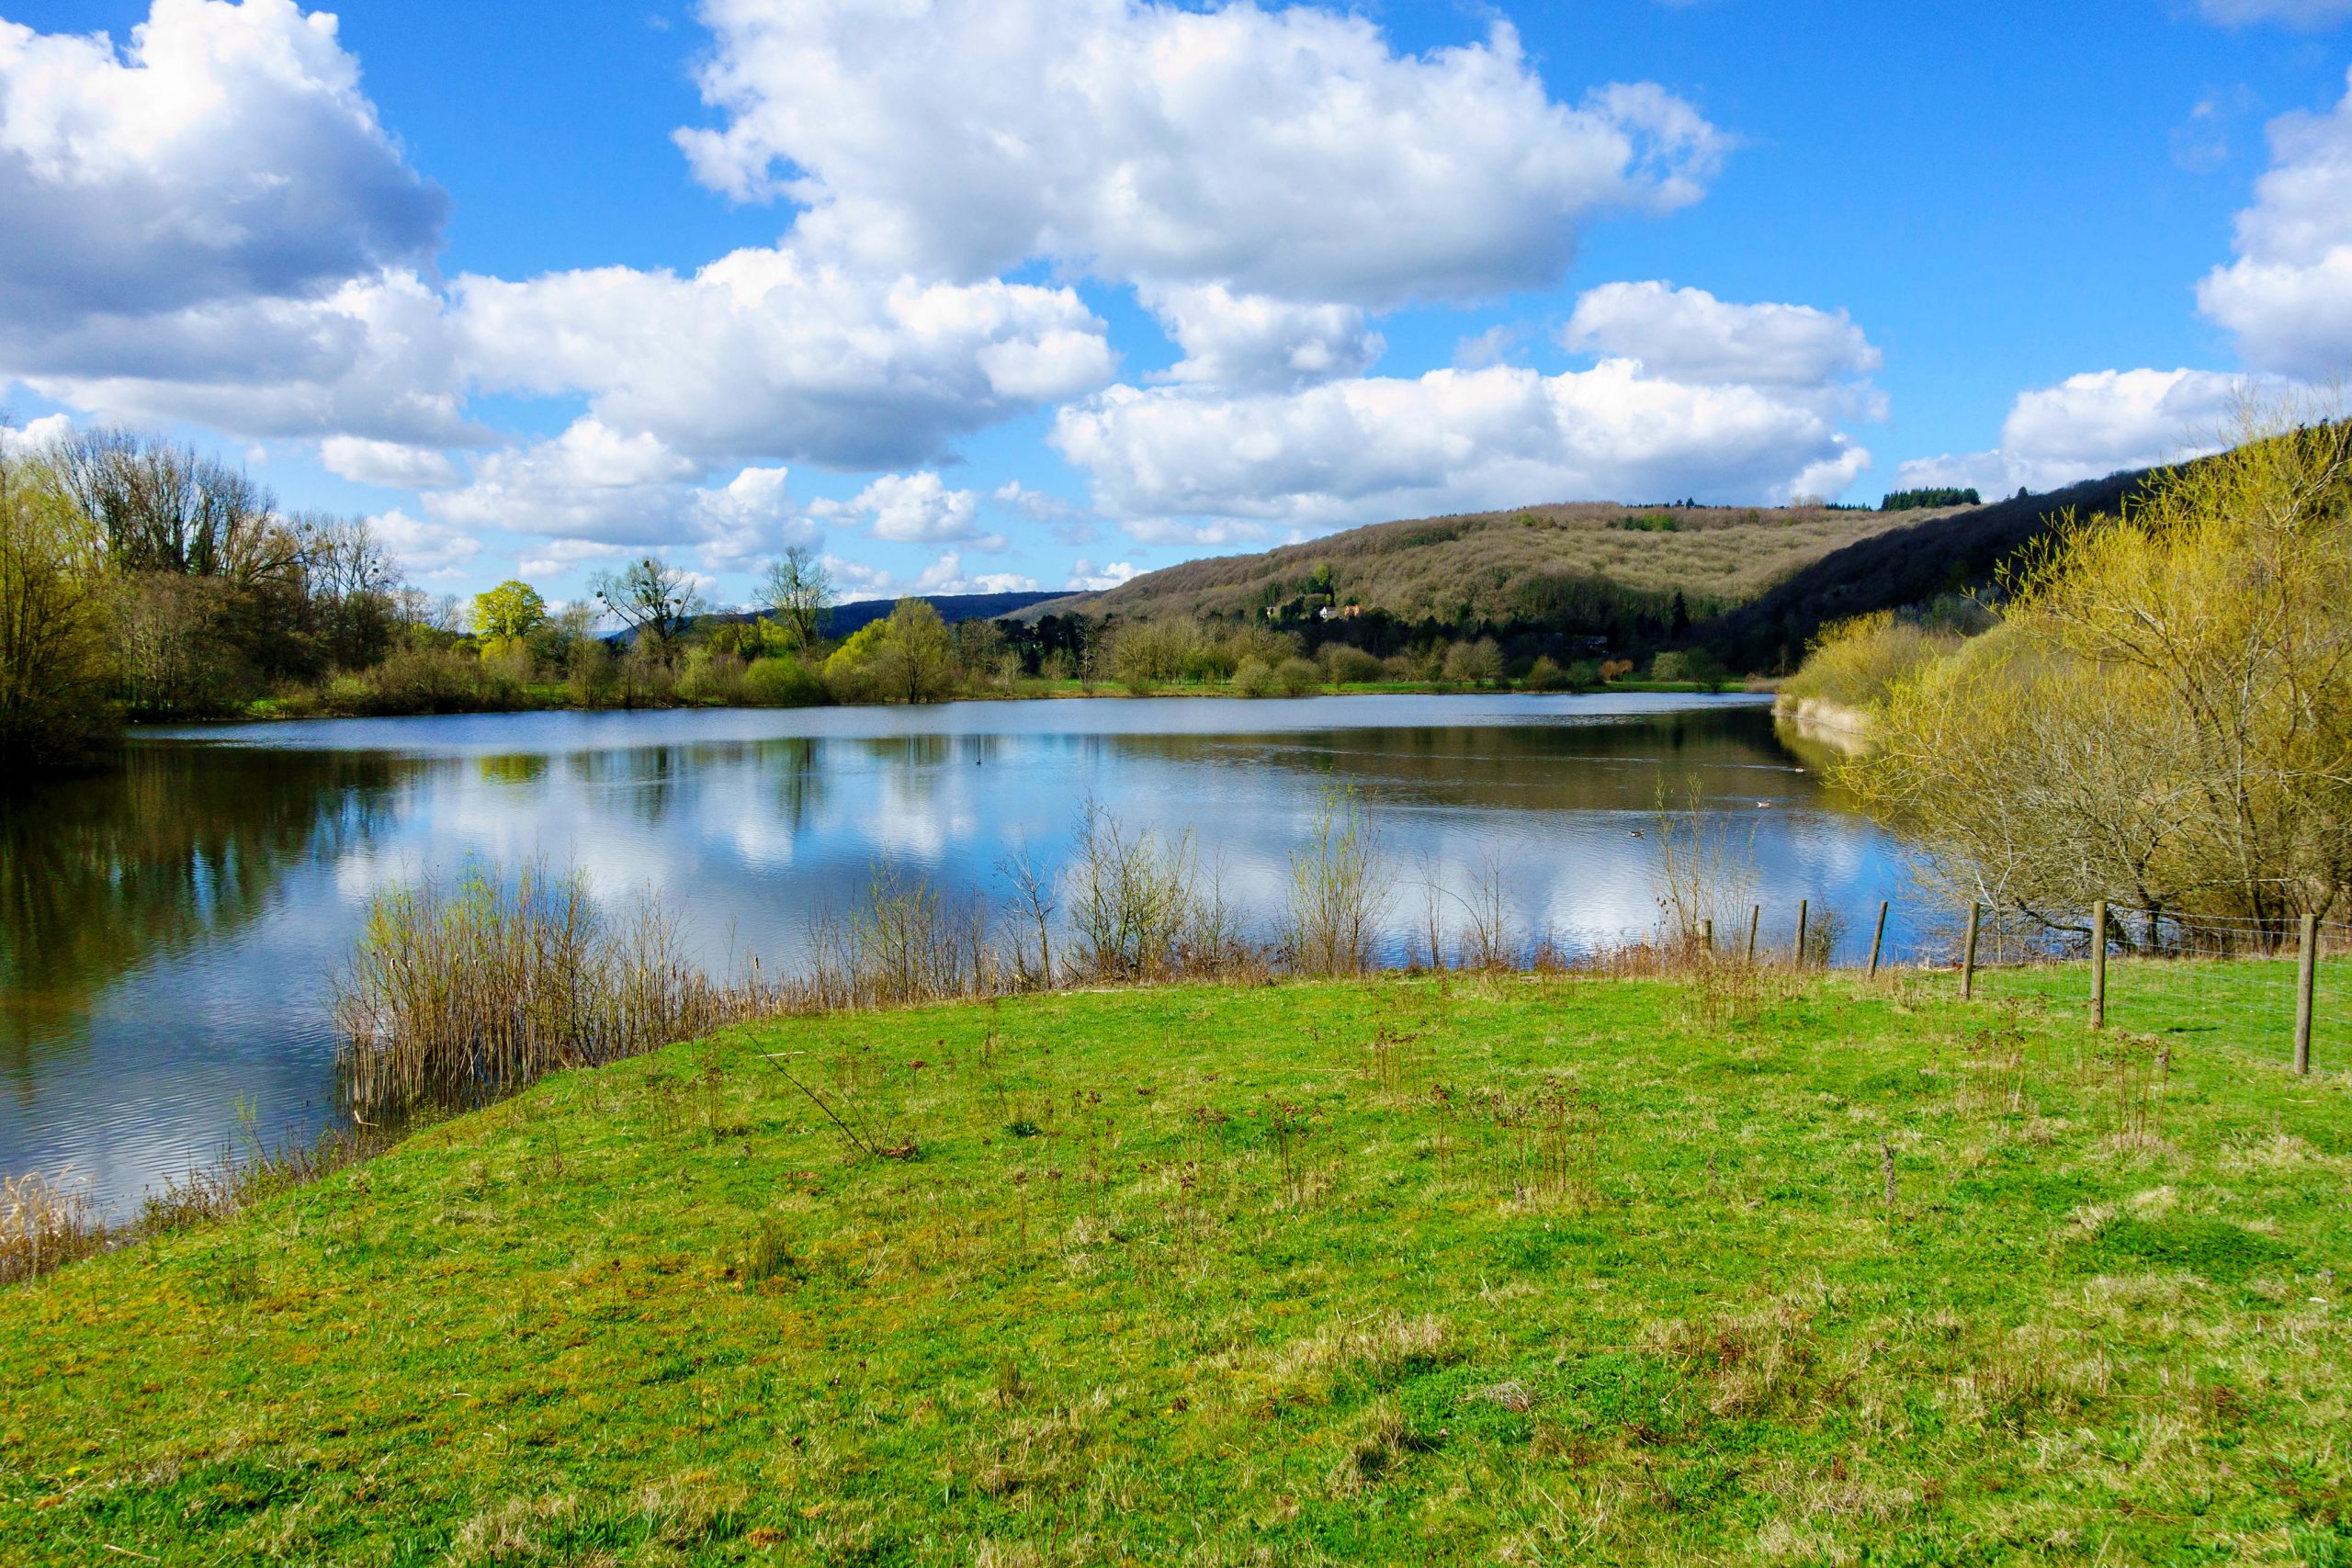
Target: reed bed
[(458, 995), (45, 1222)]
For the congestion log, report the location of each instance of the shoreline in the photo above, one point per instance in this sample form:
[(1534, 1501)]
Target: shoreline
[(266, 712)]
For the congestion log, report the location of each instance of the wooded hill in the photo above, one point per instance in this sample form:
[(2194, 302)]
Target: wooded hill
[(1499, 568), (1754, 583)]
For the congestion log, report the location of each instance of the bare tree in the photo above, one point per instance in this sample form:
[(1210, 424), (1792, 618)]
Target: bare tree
[(164, 508), (656, 601), (798, 590)]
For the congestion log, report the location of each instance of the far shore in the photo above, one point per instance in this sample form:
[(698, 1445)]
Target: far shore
[(547, 699)]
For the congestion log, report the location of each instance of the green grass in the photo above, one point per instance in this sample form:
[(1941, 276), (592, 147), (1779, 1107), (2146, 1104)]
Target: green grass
[(1387, 1271)]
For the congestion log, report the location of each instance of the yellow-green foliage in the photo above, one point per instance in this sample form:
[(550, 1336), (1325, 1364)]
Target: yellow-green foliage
[(1856, 662), (2165, 714), (907, 658), (55, 617)]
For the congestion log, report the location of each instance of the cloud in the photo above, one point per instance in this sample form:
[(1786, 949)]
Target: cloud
[(1449, 441), (372, 358), (34, 434), (226, 155), (432, 550), (1687, 335), (2288, 297), (765, 353), (1251, 342), (1291, 153), (594, 486), (388, 464), (1085, 576), (917, 509), (858, 577), (2308, 14), (946, 575), (751, 516), (2094, 424), (1493, 347)]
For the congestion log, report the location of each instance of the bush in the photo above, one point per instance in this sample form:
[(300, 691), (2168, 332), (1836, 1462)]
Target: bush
[(1547, 675), (782, 683), (1673, 665), (1856, 662), (1298, 676), (711, 678), (1253, 678), (1479, 663), (1346, 666)]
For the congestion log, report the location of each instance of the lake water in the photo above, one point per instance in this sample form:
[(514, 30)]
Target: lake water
[(168, 929)]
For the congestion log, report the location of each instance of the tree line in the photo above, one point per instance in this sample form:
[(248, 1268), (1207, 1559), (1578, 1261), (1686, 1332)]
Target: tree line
[(2155, 707), (144, 580)]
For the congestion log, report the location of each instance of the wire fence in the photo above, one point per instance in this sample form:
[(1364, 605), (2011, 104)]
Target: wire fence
[(2242, 983)]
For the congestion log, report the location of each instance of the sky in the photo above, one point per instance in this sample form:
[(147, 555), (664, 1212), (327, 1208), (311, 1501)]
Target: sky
[(984, 295)]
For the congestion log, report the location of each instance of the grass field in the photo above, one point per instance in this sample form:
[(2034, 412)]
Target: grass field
[(1399, 1270)]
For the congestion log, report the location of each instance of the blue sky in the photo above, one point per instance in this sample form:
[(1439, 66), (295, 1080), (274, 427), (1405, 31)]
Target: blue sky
[(1032, 293)]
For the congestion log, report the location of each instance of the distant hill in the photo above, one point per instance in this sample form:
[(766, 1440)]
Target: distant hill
[(1501, 567), (1908, 563), (843, 619)]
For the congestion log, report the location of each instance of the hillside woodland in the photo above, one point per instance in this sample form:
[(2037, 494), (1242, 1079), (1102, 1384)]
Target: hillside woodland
[(1496, 568)]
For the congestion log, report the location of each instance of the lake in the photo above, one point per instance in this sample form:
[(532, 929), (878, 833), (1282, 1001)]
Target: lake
[(169, 928)]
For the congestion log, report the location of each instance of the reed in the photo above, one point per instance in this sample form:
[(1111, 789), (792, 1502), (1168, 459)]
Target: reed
[(45, 1222), (1140, 909), (1339, 887), (457, 995)]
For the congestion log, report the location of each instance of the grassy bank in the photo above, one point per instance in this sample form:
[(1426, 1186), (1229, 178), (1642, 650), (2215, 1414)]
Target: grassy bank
[(1396, 1270)]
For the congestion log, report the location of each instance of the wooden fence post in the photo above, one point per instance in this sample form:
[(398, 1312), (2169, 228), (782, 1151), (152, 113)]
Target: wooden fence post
[(2098, 965), (1878, 939), (1968, 955), (1754, 919), (1707, 934), (2306, 983), (1804, 908)]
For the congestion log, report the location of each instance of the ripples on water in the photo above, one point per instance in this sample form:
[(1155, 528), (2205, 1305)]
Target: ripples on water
[(167, 929)]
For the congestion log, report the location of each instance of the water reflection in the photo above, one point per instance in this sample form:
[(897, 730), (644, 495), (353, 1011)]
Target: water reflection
[(167, 932)]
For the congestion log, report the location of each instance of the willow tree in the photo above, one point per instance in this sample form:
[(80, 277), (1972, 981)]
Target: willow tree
[(2164, 714), (55, 607)]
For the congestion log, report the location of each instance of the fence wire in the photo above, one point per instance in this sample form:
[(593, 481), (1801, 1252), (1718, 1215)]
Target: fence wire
[(2195, 981)]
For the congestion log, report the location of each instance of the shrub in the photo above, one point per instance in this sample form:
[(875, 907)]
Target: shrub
[(1346, 665), (1673, 665), (711, 677), (1857, 662), (1479, 663), (1253, 678), (1298, 676), (781, 682), (1545, 675)]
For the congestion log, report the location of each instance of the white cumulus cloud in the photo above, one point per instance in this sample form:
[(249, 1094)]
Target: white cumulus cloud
[(1248, 341), (1288, 151), (2288, 297), (389, 464), (2094, 424), (766, 353), (1351, 451), (1687, 335), (426, 549), (224, 153), (917, 509), (1084, 574)]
